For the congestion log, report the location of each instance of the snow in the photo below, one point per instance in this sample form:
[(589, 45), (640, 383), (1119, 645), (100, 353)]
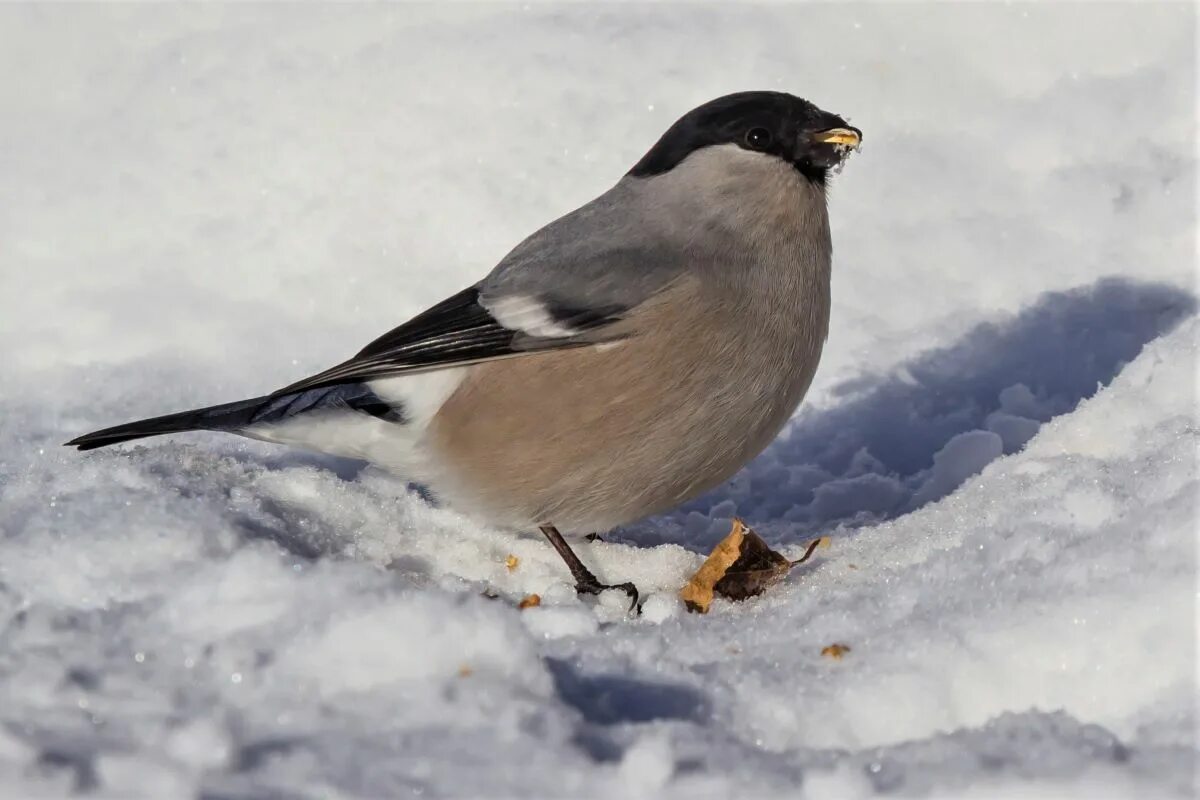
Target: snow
[(205, 203)]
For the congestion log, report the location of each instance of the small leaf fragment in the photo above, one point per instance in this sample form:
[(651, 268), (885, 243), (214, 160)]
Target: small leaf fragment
[(835, 651), (698, 594), (465, 671), (512, 562), (530, 601)]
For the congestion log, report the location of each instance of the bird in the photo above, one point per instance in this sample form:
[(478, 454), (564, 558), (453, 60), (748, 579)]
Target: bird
[(619, 361)]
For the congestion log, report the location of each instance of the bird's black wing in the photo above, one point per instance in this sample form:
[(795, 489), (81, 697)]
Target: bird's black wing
[(459, 331), (564, 286)]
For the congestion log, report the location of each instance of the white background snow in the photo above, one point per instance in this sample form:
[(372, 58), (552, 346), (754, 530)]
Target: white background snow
[(202, 204)]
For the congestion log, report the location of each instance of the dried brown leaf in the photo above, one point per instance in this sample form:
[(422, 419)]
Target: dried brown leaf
[(741, 565), (530, 601), (512, 562)]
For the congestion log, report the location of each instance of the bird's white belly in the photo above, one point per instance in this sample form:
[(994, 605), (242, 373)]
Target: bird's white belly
[(396, 446)]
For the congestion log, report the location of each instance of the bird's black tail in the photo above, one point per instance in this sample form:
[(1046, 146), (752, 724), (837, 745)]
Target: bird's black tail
[(225, 417), (236, 417)]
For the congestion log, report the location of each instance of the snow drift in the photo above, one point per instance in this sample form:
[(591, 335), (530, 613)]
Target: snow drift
[(205, 203)]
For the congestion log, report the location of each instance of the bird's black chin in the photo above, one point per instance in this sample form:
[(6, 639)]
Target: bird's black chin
[(814, 172)]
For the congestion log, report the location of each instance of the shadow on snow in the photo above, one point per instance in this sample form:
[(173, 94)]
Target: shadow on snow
[(896, 441)]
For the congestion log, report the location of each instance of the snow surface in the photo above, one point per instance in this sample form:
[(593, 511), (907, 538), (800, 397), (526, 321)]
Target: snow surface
[(205, 203)]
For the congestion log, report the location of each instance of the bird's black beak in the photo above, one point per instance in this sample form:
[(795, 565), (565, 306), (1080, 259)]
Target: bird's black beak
[(827, 148)]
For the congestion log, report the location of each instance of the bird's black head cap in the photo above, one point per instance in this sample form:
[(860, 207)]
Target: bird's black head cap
[(774, 123)]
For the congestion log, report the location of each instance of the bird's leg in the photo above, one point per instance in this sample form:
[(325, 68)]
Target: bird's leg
[(585, 581)]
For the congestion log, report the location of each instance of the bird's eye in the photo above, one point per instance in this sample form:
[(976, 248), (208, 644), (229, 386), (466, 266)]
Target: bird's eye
[(758, 138)]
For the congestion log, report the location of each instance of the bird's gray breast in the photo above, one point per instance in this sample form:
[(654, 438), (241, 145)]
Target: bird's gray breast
[(720, 354), (591, 438)]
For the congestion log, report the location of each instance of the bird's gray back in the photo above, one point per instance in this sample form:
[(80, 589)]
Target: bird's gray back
[(602, 254)]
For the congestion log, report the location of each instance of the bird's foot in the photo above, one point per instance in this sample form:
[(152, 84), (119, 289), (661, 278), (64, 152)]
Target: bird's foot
[(595, 587)]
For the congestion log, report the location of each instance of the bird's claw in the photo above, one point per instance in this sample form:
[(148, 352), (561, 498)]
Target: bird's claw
[(595, 587)]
